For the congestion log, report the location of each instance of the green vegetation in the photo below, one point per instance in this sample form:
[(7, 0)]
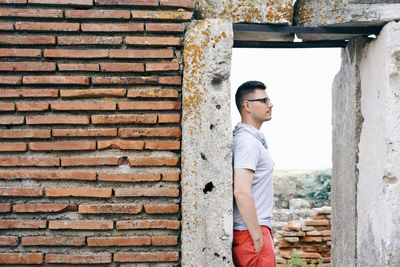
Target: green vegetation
[(317, 188), (297, 261)]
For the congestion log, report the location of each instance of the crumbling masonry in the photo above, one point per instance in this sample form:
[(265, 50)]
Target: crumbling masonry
[(115, 133)]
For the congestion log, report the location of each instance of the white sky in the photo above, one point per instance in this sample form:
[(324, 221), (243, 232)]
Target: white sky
[(299, 84)]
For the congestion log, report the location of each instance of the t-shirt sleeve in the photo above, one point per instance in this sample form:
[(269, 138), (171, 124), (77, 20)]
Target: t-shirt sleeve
[(245, 154)]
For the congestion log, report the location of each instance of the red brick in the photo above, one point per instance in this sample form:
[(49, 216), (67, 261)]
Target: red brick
[(119, 241), (27, 66), (165, 27), (82, 225), (14, 93), (7, 106), (44, 207), (149, 105), (153, 41), (178, 3), (146, 192), (169, 118), (10, 79), (119, 177), (57, 119), (311, 239), (170, 80), (97, 14), (153, 93), (48, 175), (164, 240), (5, 207), (316, 222), (79, 192), (96, 161), (83, 105), (125, 80), (47, 26), (154, 161), (14, 52), (122, 67), (32, 106), (143, 53), (119, 92), (170, 177), (74, 53), (123, 145), (52, 241), (21, 258), (74, 80), (4, 26), (128, 2), (78, 67), (148, 224), (21, 192), (124, 118), (12, 147), (31, 13), (8, 240), (149, 132), (110, 208), (162, 15), (161, 208), (85, 132), (146, 257), (164, 66), (63, 2), (97, 258), (23, 224), (112, 27), (27, 39), (162, 145), (89, 40), (13, 120), (62, 146)]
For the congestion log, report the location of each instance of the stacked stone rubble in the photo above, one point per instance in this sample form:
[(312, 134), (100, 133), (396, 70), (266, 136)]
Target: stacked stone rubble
[(311, 238)]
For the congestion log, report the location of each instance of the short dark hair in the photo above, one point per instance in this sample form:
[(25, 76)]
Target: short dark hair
[(245, 89)]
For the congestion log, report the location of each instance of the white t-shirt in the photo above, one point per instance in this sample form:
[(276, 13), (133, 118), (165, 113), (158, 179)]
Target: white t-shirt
[(250, 151)]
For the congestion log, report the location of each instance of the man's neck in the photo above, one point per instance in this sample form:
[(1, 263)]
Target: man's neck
[(252, 123)]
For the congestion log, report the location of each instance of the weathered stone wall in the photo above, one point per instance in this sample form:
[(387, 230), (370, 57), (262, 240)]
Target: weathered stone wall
[(378, 191)]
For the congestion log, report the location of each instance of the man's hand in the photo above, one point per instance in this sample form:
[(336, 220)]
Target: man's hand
[(258, 243)]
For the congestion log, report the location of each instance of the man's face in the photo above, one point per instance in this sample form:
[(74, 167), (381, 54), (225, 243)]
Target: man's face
[(259, 105)]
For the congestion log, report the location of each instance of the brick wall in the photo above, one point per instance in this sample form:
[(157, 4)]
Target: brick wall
[(90, 130)]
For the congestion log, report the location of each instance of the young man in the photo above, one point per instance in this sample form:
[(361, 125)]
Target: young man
[(252, 180)]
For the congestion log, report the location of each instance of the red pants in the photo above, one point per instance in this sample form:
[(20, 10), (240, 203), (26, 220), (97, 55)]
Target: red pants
[(244, 254)]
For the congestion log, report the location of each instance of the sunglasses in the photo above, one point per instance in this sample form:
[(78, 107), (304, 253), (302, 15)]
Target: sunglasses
[(264, 100)]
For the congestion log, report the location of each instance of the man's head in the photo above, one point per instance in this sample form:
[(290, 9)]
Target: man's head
[(252, 101)]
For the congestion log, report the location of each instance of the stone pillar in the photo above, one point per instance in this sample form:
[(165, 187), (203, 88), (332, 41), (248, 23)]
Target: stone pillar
[(206, 145), (378, 198), (347, 122)]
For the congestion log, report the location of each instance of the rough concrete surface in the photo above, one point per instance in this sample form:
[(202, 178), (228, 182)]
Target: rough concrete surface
[(346, 122), (206, 145), (345, 13), (378, 199), (252, 11)]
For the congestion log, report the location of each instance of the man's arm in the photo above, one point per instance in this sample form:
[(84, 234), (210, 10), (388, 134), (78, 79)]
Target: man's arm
[(242, 180)]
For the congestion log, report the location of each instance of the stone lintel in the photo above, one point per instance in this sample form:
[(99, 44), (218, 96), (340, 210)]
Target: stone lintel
[(250, 11), (345, 13)]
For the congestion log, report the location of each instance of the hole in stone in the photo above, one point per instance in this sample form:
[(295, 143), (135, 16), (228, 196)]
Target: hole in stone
[(203, 157), (212, 126), (208, 188), (123, 161), (224, 258), (216, 254), (218, 106), (389, 179), (203, 249)]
